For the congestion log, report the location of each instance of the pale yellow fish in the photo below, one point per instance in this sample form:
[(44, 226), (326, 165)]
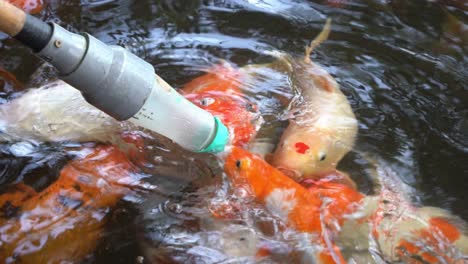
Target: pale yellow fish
[(323, 127)]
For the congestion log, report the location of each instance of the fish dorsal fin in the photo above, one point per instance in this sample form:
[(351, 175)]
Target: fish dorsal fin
[(321, 37)]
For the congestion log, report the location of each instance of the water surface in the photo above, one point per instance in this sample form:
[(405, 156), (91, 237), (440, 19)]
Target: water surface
[(402, 64)]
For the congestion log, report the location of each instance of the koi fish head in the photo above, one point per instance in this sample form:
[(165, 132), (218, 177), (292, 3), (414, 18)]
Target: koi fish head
[(266, 182), (302, 154), (246, 169), (237, 114)]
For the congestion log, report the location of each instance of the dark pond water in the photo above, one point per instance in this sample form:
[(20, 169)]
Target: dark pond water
[(402, 64)]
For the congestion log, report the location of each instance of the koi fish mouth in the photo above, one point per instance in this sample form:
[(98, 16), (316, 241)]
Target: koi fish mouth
[(291, 173)]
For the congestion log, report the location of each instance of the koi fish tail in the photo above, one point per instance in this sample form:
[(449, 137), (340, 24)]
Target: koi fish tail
[(321, 37)]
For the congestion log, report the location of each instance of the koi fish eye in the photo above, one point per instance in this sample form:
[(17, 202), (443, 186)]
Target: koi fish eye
[(251, 107), (207, 101), (238, 164), (322, 156)]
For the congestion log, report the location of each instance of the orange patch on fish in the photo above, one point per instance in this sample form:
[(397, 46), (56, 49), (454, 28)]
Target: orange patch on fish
[(12, 199), (344, 199), (30, 6), (438, 236)]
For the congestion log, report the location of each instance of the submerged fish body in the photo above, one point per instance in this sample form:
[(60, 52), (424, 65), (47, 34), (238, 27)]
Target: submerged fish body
[(419, 235), (323, 127), (390, 228), (65, 221), (404, 232), (55, 112)]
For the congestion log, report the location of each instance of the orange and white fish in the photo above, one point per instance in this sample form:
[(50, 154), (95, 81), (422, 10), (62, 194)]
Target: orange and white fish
[(286, 199), (404, 232), (335, 214), (388, 228), (323, 128), (219, 92)]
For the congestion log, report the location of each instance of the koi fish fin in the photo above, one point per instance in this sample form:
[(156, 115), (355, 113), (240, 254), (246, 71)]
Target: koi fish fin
[(318, 40)]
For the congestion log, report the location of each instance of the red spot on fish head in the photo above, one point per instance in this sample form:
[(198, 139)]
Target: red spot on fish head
[(301, 147)]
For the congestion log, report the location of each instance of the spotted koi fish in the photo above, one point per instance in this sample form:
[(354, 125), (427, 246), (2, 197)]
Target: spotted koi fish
[(334, 214), (412, 234), (286, 199)]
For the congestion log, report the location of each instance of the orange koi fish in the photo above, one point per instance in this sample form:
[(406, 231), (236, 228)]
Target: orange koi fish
[(287, 199), (51, 226), (30, 6), (220, 78), (237, 114), (433, 244), (412, 234)]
